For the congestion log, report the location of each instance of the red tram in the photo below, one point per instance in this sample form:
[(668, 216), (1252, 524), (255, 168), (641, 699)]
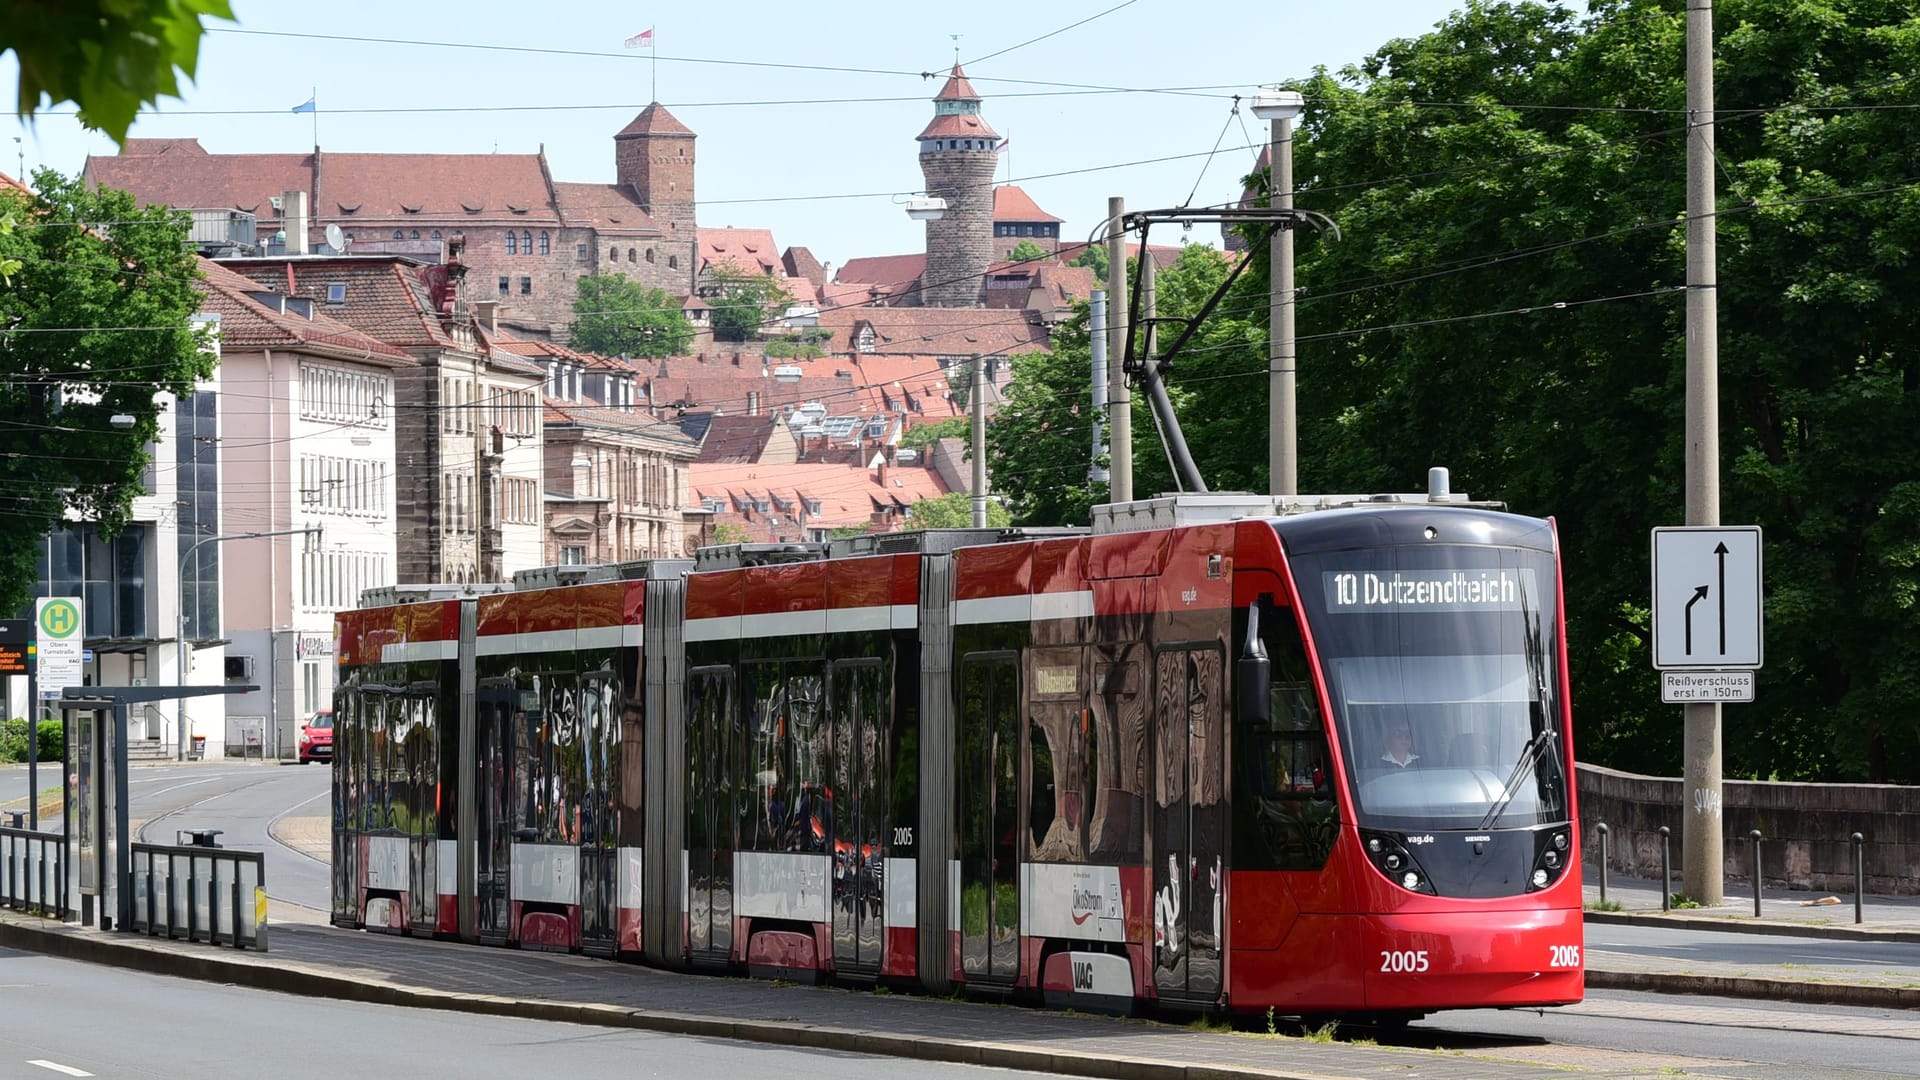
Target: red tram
[(1224, 752)]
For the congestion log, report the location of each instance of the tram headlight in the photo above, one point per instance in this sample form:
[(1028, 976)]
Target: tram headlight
[(1551, 858), (1539, 879), (1410, 881), (1374, 845), (1560, 841), (1393, 862), (1552, 853), (1391, 855)]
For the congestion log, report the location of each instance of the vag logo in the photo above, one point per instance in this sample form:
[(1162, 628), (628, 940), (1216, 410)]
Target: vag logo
[(1082, 975)]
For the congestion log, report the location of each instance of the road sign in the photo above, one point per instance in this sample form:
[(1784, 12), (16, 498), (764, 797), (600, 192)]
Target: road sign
[(16, 631), (1706, 597), (1705, 687), (59, 637)]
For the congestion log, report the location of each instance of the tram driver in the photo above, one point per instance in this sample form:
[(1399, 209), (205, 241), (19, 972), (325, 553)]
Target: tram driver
[(1400, 746)]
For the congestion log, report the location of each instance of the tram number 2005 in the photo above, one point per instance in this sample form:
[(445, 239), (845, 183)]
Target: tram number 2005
[(1403, 961), (1565, 956)]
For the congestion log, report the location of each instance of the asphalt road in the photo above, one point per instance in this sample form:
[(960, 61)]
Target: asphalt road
[(244, 802), (1879, 957), (65, 1018)]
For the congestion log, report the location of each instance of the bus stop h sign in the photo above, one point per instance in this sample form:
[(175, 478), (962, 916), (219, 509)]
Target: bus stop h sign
[(1706, 597)]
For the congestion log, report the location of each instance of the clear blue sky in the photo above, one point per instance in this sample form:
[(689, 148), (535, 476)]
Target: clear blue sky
[(818, 151)]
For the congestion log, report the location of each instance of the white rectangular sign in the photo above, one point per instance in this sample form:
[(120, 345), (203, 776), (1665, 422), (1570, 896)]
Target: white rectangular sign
[(59, 644), (1706, 597), (1705, 687)]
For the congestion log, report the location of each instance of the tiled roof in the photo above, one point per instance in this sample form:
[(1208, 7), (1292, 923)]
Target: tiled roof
[(738, 439), (10, 184), (610, 208), (800, 263), (153, 147), (246, 322), (957, 88), (386, 298), (442, 189), (883, 270), (1012, 204), (750, 250), (1164, 255), (936, 331), (655, 120), (588, 414), (847, 496), (958, 127)]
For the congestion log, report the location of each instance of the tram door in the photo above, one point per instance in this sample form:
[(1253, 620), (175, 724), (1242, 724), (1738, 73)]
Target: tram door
[(349, 711), (599, 700), (417, 743), (712, 753), (857, 808), (1189, 822), (493, 756), (988, 765)]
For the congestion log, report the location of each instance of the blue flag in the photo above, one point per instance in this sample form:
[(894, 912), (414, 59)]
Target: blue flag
[(308, 107)]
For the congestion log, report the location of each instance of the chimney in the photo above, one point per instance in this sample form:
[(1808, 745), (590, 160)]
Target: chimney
[(487, 314), (293, 213)]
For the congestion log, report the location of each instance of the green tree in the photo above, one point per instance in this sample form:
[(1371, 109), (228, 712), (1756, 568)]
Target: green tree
[(617, 316), (744, 304), (96, 323), (1028, 251), (1504, 301), (953, 427), (729, 533), (109, 57), (953, 510), (1093, 256)]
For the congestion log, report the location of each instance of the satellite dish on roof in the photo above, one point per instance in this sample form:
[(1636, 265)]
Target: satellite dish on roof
[(335, 239)]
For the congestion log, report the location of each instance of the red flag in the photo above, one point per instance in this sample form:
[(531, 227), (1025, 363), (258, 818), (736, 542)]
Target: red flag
[(641, 40)]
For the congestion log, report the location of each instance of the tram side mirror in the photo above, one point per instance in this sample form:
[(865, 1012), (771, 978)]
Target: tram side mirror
[(1253, 688)]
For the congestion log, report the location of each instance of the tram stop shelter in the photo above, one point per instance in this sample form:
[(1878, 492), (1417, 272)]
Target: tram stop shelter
[(96, 791)]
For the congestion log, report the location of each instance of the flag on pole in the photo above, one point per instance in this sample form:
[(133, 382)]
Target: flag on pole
[(641, 40), (1002, 148), (308, 107)]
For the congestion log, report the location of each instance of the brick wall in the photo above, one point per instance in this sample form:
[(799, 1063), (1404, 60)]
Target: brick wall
[(1807, 829), (959, 243)]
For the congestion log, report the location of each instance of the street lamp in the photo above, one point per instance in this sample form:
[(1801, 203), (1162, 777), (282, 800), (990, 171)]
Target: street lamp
[(926, 208), (180, 648), (1281, 107)]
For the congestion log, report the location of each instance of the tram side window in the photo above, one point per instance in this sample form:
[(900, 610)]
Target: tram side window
[(788, 811), (632, 750), (1284, 815), (1117, 762)]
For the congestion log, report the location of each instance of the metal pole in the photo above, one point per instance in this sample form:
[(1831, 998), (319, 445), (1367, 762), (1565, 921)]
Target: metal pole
[(1283, 442), (1702, 828), (33, 743), (1603, 864), (1756, 838), (1859, 878), (979, 404), (1119, 396), (1097, 335), (1666, 869)]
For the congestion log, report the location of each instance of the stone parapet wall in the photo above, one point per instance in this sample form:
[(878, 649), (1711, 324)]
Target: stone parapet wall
[(1807, 829)]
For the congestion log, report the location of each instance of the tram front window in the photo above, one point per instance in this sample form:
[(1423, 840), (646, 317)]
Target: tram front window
[(1440, 666)]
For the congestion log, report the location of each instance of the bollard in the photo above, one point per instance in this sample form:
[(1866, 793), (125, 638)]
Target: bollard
[(1666, 870), (1603, 864), (1755, 837), (1859, 877)]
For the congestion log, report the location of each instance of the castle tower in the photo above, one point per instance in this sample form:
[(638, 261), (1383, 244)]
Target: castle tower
[(958, 157), (653, 156)]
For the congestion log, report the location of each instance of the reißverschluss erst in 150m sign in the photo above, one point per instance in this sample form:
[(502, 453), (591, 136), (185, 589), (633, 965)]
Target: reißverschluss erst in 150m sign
[(1707, 611)]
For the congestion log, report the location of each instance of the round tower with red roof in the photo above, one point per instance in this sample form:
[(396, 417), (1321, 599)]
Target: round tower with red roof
[(958, 157)]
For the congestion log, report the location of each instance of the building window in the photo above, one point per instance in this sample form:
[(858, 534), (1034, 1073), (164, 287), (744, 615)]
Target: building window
[(630, 257), (513, 244), (414, 234), (336, 292), (573, 556), (398, 235), (526, 286), (506, 286), (526, 243), (580, 252), (649, 254), (613, 254), (543, 244), (436, 234), (673, 262)]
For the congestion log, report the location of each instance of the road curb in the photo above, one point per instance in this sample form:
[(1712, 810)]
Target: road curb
[(1733, 924), (1742, 986), (72, 943)]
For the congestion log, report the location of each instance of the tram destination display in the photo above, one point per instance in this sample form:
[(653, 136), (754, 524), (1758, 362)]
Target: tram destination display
[(1503, 589)]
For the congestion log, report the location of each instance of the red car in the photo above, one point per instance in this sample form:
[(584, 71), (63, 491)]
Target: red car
[(316, 738)]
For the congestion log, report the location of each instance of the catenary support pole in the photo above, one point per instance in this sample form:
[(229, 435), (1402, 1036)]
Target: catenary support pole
[(979, 403), (1119, 397), (1283, 440), (1701, 839), (1097, 335)]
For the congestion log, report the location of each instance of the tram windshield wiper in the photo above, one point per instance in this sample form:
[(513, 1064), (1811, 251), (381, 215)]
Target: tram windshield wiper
[(1523, 768)]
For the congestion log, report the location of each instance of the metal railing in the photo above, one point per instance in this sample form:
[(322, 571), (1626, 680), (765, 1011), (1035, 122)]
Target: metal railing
[(1755, 838), (33, 873), (200, 892)]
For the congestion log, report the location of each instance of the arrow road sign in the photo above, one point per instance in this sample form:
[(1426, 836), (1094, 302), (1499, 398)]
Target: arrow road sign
[(1707, 579)]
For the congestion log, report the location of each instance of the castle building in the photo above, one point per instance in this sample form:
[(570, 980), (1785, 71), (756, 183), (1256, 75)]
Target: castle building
[(958, 156)]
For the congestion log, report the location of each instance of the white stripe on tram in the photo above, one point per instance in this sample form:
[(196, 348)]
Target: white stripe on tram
[(409, 651)]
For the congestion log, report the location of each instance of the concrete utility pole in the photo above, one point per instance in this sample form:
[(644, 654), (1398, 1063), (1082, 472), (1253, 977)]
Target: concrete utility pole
[(1283, 425), (1097, 313), (979, 404), (1119, 397), (1702, 826)]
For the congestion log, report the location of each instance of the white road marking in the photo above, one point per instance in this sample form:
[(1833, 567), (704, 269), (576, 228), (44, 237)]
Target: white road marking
[(59, 1068)]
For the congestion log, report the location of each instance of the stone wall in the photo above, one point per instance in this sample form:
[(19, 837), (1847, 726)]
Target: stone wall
[(1807, 829)]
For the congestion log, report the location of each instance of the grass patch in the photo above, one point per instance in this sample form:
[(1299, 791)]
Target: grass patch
[(1322, 1034), (1603, 905), (1681, 901)]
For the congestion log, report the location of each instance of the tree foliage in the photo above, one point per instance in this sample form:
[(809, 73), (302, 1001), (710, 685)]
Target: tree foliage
[(1094, 257), (744, 304), (953, 427), (109, 57), (1027, 251), (617, 316), (953, 510), (94, 325)]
